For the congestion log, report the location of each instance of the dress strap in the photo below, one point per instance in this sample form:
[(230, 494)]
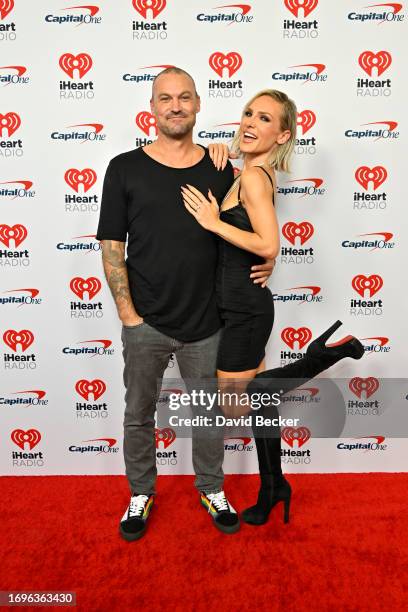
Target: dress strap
[(268, 175), (271, 181)]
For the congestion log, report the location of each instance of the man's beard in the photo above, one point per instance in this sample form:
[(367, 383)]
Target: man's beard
[(177, 130)]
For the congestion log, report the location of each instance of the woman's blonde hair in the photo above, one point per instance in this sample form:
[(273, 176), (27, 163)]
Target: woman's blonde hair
[(280, 157)]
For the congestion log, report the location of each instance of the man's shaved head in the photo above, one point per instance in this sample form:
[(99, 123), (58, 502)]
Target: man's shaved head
[(173, 70)]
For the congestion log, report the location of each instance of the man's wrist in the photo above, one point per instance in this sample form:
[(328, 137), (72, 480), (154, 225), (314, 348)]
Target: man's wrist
[(131, 320)]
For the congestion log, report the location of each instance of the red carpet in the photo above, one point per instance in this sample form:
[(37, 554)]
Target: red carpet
[(346, 547)]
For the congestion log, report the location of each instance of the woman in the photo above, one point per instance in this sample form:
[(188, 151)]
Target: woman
[(247, 226)]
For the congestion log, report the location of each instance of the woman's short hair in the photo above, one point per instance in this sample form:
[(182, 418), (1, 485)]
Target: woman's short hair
[(280, 157)]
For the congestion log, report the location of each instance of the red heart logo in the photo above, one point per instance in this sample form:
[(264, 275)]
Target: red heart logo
[(9, 122), (231, 62), (290, 335), (295, 434), (303, 231), (86, 178), (368, 385), (306, 120), (145, 121), (30, 437), (81, 62), (307, 5), (24, 337), (372, 284), (6, 6), (369, 60), (81, 285), (377, 175), (85, 387), (155, 6), (17, 232), (166, 436)]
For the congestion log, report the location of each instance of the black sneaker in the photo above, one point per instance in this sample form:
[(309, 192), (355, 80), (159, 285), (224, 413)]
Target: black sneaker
[(133, 523), (224, 516)]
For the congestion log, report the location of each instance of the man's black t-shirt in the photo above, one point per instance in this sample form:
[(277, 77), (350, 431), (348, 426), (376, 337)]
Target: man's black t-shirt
[(171, 259)]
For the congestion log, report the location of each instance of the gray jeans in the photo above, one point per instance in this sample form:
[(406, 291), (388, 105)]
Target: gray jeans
[(146, 352)]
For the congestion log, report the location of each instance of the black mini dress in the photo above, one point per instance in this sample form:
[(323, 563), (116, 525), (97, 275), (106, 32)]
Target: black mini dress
[(247, 310)]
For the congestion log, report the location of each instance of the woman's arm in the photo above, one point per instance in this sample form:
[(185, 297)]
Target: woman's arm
[(256, 191)]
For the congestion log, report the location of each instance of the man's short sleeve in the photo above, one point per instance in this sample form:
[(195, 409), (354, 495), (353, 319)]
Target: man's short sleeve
[(113, 218)]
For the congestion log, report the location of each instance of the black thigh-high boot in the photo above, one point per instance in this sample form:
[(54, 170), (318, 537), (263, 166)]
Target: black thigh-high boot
[(273, 488), (318, 358)]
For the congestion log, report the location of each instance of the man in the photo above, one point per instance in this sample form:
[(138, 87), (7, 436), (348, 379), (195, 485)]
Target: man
[(165, 290)]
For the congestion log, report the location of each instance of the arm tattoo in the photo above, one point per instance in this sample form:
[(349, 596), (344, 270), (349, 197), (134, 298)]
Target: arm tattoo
[(116, 273)]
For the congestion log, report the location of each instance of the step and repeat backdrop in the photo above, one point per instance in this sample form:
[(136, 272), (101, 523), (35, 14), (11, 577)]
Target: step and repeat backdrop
[(75, 85)]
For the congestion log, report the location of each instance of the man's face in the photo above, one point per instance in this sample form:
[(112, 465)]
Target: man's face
[(175, 104)]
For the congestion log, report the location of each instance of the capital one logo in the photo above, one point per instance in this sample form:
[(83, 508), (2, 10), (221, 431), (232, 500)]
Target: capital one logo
[(290, 335), (290, 435), (303, 231), (90, 285), (165, 436), (86, 177), (71, 63), (376, 175), (369, 60), (26, 185), (30, 437), (146, 122), (369, 386), (6, 6), (9, 123), (371, 284), (153, 6), (17, 233), (20, 70), (95, 387), (306, 120), (13, 338), (231, 62), (307, 6)]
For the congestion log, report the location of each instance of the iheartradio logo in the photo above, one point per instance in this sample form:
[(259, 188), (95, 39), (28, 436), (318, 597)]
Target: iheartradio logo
[(30, 437), (303, 231), (371, 284), (146, 122), (17, 233), (86, 388), (231, 62), (307, 6), (302, 336), (369, 386), (13, 338), (80, 63), (376, 175), (6, 6), (86, 177), (290, 435), (164, 436), (306, 120), (369, 60), (90, 285), (149, 9), (9, 123)]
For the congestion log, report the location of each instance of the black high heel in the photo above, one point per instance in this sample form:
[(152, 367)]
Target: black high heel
[(274, 487), (268, 497), (346, 347)]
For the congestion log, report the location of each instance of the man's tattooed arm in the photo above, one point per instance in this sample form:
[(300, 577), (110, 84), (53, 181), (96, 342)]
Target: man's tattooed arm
[(113, 259)]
